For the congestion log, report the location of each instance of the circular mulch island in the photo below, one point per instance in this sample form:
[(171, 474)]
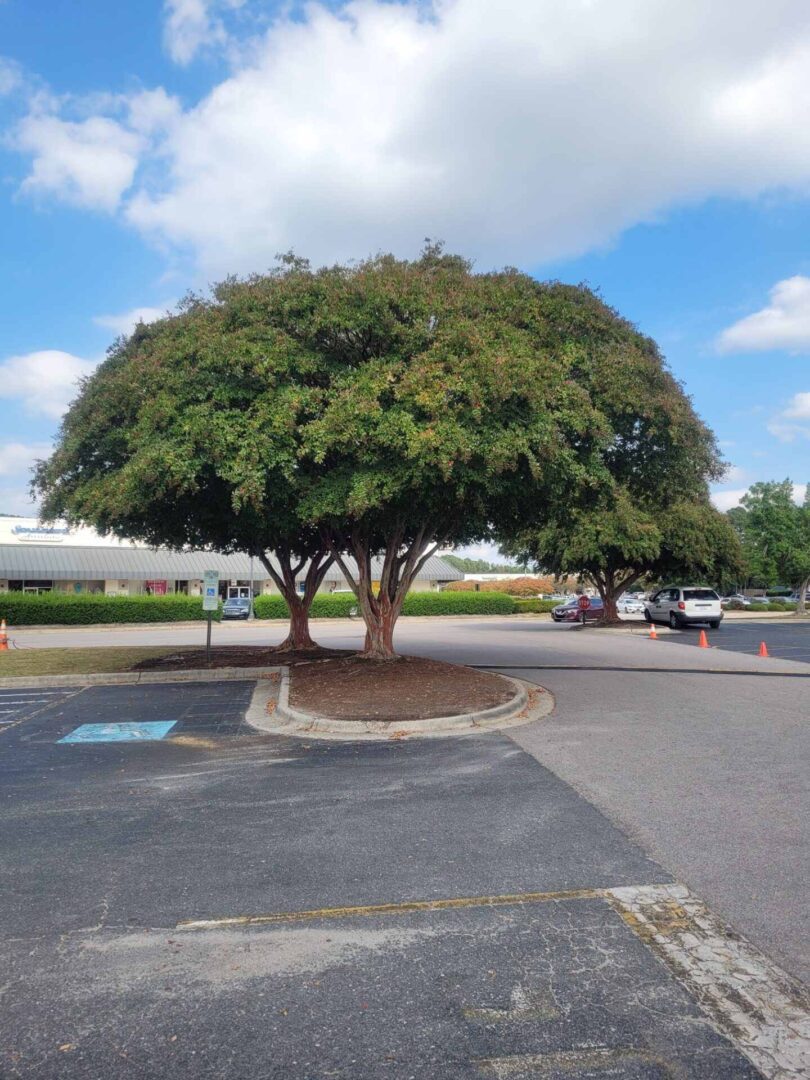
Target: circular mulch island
[(398, 691)]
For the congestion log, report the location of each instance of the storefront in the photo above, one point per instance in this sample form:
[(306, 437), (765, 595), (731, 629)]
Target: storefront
[(35, 558)]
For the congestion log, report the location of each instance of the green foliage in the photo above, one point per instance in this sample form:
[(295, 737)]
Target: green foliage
[(23, 609), (338, 605), (534, 606), (650, 514), (776, 534), (324, 606), (447, 603)]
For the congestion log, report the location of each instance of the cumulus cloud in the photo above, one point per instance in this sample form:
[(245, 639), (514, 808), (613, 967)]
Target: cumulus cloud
[(793, 422), (783, 324), (45, 382), (520, 132), (192, 25), (126, 321), (16, 461), (88, 163)]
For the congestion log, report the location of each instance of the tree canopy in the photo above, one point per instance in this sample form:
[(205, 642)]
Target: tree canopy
[(653, 515), (776, 535)]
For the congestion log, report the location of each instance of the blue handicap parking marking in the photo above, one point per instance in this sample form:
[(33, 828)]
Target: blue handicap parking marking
[(119, 732)]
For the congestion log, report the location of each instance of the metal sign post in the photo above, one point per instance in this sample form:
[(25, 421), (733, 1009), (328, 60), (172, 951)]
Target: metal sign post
[(210, 604)]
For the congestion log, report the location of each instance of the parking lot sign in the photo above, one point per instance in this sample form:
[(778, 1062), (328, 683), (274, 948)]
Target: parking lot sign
[(210, 590)]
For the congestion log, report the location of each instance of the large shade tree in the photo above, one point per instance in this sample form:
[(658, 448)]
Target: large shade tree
[(455, 404), (653, 516)]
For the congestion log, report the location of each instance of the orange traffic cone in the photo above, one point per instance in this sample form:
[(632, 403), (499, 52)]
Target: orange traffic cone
[(763, 649), (704, 641), (653, 634), (3, 637)]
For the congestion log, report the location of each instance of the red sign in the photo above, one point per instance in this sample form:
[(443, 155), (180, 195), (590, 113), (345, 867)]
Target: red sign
[(156, 588), (584, 603)]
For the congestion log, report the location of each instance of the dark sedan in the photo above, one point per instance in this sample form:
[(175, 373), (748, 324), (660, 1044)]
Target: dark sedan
[(570, 611), (237, 607)]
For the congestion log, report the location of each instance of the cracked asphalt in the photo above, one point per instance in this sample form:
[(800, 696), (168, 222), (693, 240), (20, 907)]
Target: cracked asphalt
[(107, 849)]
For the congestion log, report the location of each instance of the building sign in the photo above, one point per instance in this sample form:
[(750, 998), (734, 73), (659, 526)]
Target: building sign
[(39, 534), (211, 590), (156, 588)]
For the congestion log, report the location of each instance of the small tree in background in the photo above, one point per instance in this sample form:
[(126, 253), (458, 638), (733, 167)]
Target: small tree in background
[(777, 533)]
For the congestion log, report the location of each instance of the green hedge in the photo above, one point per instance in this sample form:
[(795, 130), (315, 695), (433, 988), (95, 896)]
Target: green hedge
[(535, 606), (23, 609), (324, 606), (458, 603), (772, 605), (338, 605)]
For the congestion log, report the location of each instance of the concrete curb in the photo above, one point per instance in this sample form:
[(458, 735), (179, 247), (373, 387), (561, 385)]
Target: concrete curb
[(136, 678), (529, 703)]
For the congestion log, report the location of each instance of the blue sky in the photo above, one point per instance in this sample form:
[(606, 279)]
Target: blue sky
[(656, 149)]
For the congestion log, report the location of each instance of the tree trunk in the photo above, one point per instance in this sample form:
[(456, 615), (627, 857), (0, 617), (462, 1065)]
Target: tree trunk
[(610, 588), (298, 637), (801, 605), (379, 643), (401, 564)]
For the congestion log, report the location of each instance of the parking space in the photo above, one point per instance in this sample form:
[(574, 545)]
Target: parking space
[(784, 640), (17, 705)]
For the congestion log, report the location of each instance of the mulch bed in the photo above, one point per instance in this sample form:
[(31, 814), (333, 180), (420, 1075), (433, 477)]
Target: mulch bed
[(410, 688), (236, 656)]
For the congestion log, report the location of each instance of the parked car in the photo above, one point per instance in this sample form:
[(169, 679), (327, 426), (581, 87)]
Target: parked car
[(630, 605), (570, 612), (236, 607), (736, 598), (683, 605)]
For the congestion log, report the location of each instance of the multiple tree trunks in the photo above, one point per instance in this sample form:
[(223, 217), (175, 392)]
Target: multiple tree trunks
[(299, 604), (381, 607)]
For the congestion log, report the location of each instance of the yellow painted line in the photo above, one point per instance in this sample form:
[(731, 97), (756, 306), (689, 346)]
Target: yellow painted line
[(403, 908)]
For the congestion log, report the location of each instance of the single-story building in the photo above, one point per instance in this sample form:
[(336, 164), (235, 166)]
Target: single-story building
[(38, 558)]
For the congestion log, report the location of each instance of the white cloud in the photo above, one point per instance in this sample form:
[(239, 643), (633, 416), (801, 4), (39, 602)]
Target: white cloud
[(10, 76), (45, 381), (88, 163), (799, 407), (192, 25), (783, 324), (726, 499), (19, 457), (793, 422), (126, 321), (16, 461), (520, 132)]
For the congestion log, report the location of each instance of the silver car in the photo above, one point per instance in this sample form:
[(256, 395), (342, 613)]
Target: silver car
[(683, 605)]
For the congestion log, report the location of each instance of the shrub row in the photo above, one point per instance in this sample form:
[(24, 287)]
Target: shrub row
[(23, 609), (519, 586), (338, 605), (772, 605), (535, 606), (324, 606)]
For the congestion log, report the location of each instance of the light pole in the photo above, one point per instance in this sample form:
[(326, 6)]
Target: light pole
[(251, 615)]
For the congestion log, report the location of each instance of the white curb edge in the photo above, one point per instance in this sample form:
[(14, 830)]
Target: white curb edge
[(530, 703)]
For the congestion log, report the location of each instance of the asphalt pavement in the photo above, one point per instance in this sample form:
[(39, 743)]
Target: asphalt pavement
[(405, 909), (110, 848)]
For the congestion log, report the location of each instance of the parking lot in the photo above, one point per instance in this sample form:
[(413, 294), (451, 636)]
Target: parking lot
[(784, 638), (219, 903)]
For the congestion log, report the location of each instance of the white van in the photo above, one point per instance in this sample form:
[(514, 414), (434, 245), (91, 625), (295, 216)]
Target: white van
[(682, 605)]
